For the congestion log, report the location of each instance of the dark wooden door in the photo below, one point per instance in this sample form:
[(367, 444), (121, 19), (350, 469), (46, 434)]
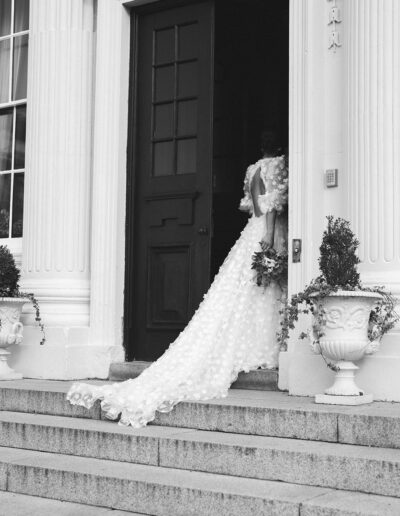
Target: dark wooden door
[(170, 232)]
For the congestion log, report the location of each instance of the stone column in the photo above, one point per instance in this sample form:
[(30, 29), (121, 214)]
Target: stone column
[(56, 262), (109, 176), (307, 53), (359, 124), (373, 136), (372, 129)]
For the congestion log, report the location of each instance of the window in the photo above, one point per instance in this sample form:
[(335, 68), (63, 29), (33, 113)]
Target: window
[(14, 25), (175, 99)]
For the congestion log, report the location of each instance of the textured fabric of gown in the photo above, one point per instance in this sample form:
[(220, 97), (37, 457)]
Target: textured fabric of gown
[(233, 330)]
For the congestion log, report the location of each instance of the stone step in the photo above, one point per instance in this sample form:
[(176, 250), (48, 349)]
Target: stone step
[(244, 412), (14, 504), (160, 491), (260, 379), (338, 466)]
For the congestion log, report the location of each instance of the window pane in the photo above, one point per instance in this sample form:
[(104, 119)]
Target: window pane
[(188, 41), (21, 15), (187, 79), (164, 79), (165, 45), (5, 17), (20, 67), (163, 121), (5, 187), (4, 70), (6, 129), (187, 117), (20, 128), (163, 159), (18, 205), (187, 156)]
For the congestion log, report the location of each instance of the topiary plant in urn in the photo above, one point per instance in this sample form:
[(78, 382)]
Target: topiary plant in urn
[(12, 301), (349, 320)]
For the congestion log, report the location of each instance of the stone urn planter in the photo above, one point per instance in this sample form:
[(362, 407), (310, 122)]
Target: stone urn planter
[(10, 333), (345, 341)]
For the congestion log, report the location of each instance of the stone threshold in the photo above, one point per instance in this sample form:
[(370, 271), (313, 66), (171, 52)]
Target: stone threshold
[(259, 380)]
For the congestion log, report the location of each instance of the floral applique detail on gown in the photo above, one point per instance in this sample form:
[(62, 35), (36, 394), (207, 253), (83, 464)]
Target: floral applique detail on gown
[(233, 330)]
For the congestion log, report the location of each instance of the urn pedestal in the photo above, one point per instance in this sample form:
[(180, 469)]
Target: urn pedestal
[(344, 342), (10, 333)]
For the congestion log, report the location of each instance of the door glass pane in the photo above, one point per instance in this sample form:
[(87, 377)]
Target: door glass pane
[(163, 158), (187, 117), (4, 70), (5, 188), (187, 156), (20, 67), (164, 83), (188, 41), (18, 205), (6, 129), (165, 45), (187, 79), (163, 121), (5, 17), (21, 15)]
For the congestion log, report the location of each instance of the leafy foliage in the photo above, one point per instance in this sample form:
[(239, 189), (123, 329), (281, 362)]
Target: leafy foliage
[(9, 285), (9, 273), (338, 259)]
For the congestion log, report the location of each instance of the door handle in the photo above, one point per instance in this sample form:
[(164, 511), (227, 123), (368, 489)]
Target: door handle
[(203, 230)]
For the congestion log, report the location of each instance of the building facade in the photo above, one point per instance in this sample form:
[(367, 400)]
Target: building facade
[(96, 69)]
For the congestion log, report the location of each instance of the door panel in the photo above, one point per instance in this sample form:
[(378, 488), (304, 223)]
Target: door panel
[(167, 264), (173, 159)]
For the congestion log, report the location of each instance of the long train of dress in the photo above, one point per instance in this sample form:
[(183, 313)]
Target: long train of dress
[(233, 330)]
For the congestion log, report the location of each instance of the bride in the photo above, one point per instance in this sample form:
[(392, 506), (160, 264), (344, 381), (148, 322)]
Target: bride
[(234, 328)]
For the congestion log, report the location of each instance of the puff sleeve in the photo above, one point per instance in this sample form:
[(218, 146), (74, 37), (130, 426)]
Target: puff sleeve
[(246, 203), (274, 174)]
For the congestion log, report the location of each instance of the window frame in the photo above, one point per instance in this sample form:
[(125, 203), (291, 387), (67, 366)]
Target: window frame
[(13, 243)]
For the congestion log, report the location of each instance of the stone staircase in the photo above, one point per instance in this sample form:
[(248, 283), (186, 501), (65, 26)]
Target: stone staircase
[(253, 453)]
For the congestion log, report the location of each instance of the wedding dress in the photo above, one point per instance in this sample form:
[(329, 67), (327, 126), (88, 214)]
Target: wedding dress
[(233, 330)]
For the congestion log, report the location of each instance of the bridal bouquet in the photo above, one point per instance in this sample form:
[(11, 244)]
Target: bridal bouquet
[(270, 265)]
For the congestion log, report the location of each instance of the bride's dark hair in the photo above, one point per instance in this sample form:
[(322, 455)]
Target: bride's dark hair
[(269, 143)]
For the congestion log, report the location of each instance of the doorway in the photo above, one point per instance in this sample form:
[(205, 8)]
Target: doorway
[(207, 78)]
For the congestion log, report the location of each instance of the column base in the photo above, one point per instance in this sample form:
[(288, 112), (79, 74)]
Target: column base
[(66, 355), (10, 376), (63, 302), (378, 374), (330, 399)]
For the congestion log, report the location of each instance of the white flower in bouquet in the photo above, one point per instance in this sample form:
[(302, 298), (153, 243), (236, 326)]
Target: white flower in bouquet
[(269, 263)]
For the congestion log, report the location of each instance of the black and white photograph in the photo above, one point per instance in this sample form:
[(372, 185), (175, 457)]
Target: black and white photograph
[(200, 257)]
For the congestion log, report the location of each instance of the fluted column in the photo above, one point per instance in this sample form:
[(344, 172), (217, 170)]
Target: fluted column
[(360, 136), (298, 67), (109, 175), (57, 186), (56, 240), (372, 153), (373, 136), (307, 53)]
